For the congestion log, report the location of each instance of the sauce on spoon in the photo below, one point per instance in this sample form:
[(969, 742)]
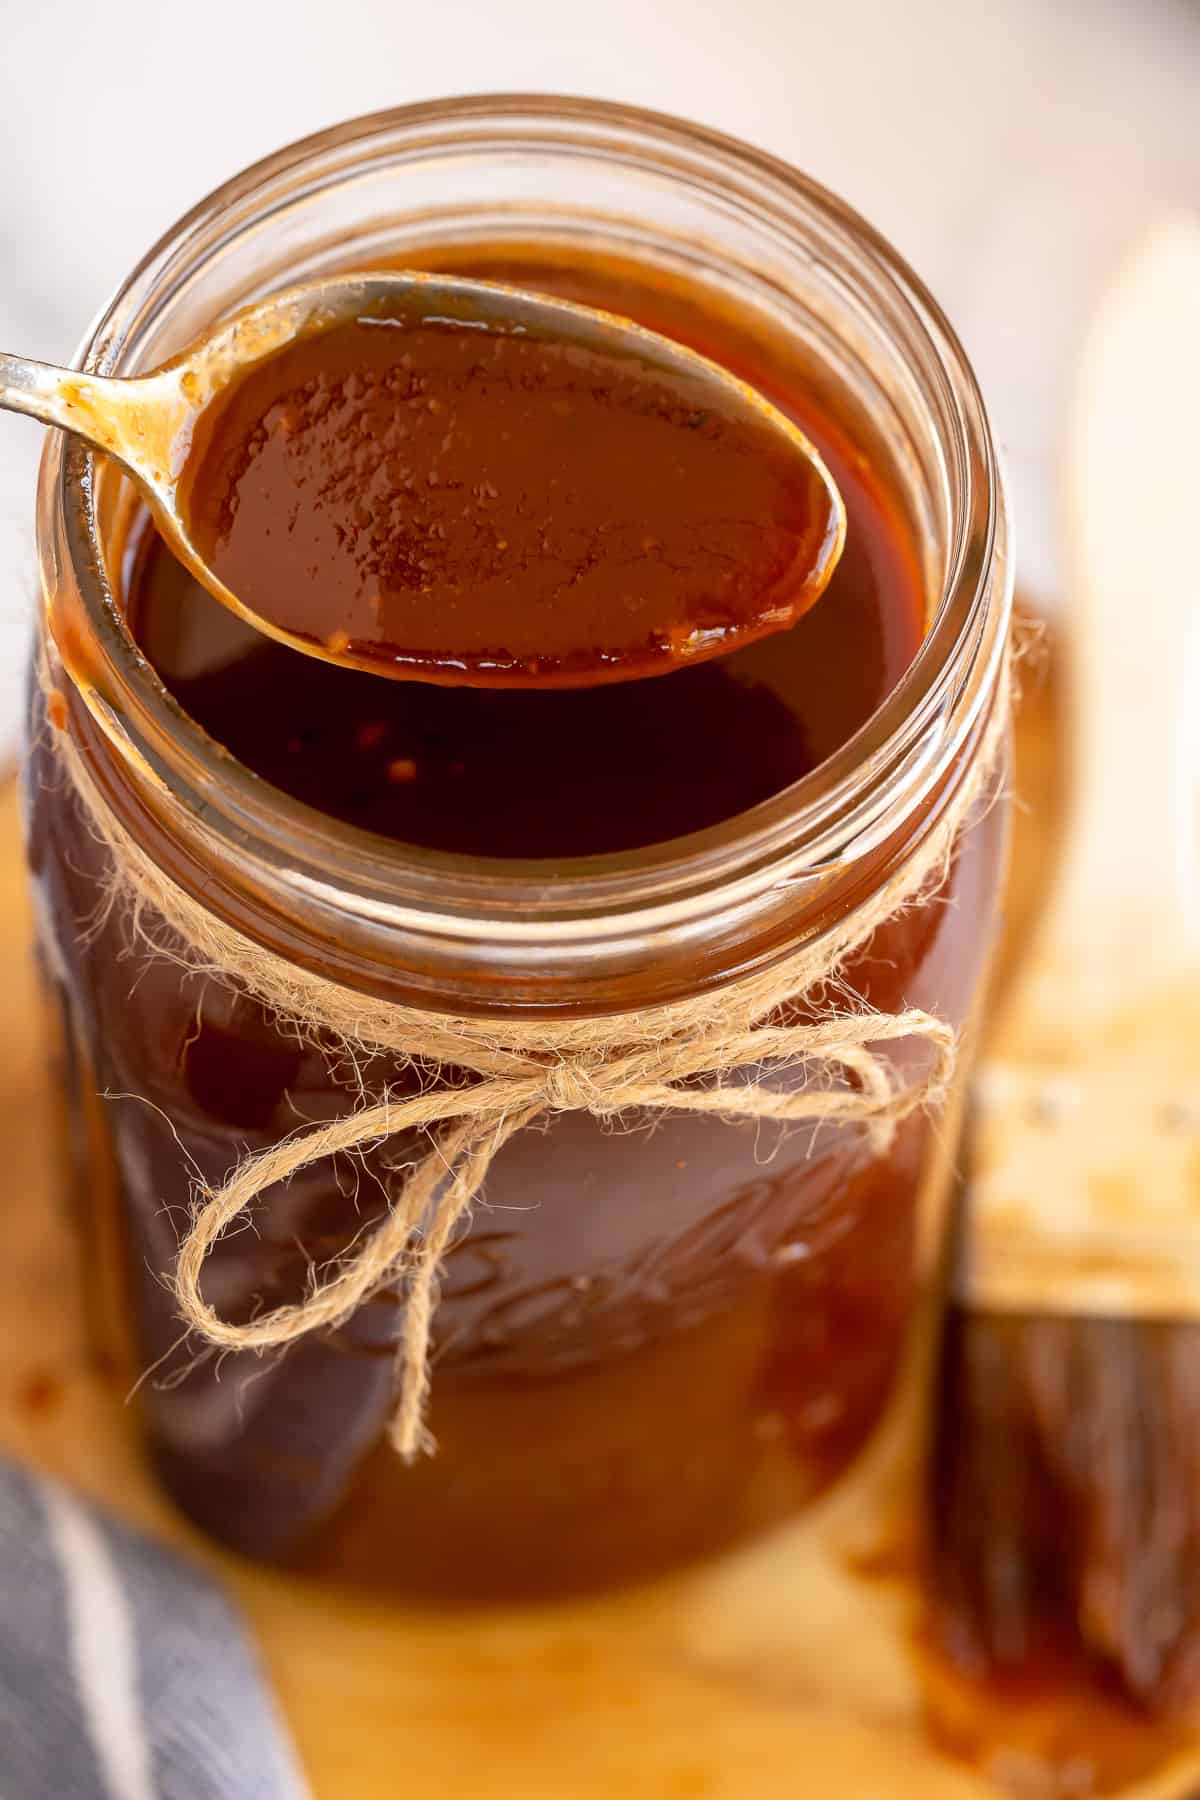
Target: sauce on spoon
[(524, 502)]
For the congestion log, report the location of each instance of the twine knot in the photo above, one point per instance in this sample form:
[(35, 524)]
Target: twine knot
[(576, 1087)]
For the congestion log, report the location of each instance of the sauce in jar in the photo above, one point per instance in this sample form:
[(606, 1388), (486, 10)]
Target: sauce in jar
[(649, 1343)]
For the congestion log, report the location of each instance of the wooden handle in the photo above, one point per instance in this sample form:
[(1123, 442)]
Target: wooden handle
[(1084, 1194), (1132, 872)]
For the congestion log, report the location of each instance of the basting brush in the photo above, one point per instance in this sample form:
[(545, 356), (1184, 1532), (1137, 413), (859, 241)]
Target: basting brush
[(1064, 1497)]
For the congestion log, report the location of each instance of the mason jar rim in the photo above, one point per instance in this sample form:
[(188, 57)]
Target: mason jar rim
[(829, 817)]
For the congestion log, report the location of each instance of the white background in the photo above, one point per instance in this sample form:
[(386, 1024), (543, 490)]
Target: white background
[(1009, 148)]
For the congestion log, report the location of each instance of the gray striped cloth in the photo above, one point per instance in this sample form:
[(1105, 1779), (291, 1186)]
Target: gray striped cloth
[(124, 1672)]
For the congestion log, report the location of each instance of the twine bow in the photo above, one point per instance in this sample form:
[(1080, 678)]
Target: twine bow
[(476, 1120)]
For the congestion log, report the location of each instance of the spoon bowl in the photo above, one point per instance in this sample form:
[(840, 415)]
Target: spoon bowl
[(158, 426)]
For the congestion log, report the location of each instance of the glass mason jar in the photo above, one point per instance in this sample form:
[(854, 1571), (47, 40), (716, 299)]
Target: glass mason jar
[(648, 1343)]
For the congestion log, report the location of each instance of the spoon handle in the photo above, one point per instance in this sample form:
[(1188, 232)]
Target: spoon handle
[(61, 397), (136, 421)]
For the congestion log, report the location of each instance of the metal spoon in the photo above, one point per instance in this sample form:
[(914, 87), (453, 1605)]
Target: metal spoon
[(148, 424)]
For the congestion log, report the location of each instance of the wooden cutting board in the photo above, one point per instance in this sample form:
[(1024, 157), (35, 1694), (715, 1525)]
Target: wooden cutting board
[(792, 1669)]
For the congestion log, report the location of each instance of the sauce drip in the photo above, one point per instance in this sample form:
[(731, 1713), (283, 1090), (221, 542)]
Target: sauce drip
[(466, 504)]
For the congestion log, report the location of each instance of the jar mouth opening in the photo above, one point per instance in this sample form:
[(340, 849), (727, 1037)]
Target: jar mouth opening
[(815, 824)]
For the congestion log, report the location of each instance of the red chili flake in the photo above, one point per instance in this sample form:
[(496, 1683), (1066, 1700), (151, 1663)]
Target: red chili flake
[(370, 735), (286, 418), (40, 1393), (402, 768)]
